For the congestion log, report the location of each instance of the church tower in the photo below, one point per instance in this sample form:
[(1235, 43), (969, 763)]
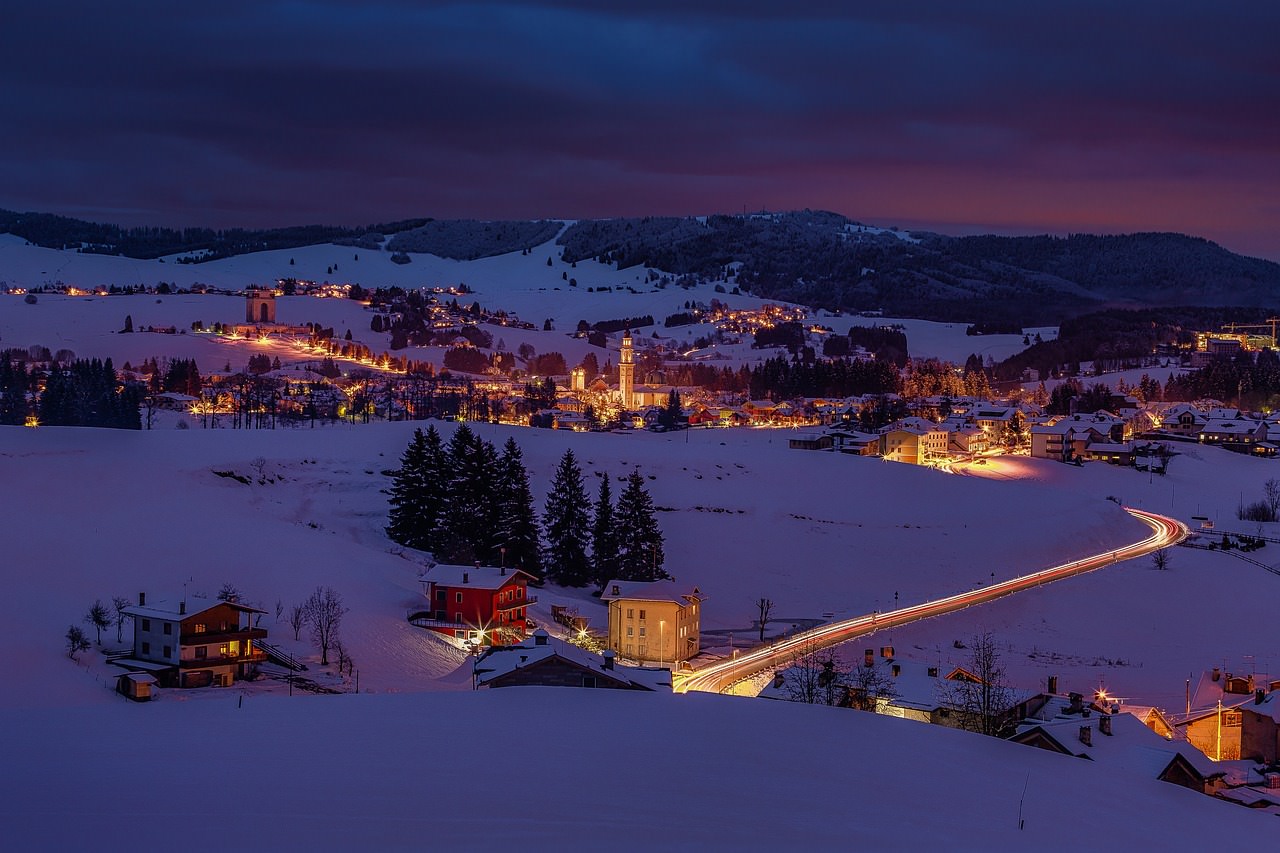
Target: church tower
[(259, 306), (626, 373)]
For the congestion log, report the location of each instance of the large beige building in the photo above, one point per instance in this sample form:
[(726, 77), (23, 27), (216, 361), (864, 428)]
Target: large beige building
[(653, 622), (915, 441)]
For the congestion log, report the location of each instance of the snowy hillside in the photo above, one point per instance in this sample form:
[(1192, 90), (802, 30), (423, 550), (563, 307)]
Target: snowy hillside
[(555, 769)]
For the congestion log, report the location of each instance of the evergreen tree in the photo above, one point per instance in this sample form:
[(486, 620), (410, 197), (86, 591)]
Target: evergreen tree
[(604, 538), (517, 524), (640, 556), (408, 489), (13, 392), (671, 415), (565, 521), (468, 520)]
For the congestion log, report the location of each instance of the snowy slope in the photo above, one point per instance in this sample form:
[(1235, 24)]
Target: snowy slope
[(555, 769)]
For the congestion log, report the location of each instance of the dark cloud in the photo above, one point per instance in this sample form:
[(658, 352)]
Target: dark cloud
[(1007, 115)]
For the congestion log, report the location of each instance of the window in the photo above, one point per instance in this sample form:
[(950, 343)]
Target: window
[(588, 681), (458, 634), (631, 614), (146, 624), (202, 652), (146, 648), (642, 631), (457, 597), (440, 595), (641, 614), (199, 628), (630, 630), (168, 627), (224, 650), (168, 651)]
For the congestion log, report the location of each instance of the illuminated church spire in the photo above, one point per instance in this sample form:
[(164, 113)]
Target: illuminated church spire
[(626, 373)]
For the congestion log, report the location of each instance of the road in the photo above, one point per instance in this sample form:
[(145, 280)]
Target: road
[(716, 677)]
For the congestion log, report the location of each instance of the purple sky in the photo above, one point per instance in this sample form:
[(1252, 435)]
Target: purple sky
[(1013, 117)]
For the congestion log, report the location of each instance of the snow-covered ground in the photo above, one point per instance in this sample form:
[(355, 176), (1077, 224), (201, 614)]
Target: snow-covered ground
[(98, 513), (554, 769)]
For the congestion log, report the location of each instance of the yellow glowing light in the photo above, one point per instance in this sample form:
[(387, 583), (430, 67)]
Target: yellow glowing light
[(31, 421)]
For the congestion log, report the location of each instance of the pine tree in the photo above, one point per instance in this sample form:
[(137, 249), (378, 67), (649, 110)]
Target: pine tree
[(408, 489), (640, 556), (517, 520), (466, 526), (13, 392), (565, 521), (604, 538), (671, 415)]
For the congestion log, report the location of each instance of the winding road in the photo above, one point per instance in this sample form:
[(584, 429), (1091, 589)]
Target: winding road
[(718, 676)]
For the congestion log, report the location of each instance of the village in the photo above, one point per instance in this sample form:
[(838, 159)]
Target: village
[(647, 636)]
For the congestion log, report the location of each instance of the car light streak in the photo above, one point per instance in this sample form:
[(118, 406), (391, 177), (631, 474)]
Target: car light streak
[(718, 676)]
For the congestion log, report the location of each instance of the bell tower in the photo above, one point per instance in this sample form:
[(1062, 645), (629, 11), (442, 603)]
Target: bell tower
[(259, 306), (626, 373)]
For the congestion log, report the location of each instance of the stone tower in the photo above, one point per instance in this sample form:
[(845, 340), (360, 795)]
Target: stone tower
[(626, 373), (259, 306)]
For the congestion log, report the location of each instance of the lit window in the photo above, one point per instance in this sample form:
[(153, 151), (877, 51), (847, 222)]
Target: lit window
[(224, 650), (199, 628)]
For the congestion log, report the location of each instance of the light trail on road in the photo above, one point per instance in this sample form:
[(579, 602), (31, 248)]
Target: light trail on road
[(718, 676)]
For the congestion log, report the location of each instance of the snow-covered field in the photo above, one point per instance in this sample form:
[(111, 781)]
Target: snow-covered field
[(96, 513), (554, 769)]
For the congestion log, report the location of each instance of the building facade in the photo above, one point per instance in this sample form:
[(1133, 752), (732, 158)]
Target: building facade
[(656, 621), (213, 644), (480, 605)]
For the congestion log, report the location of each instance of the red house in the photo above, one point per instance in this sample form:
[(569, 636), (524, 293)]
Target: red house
[(484, 605)]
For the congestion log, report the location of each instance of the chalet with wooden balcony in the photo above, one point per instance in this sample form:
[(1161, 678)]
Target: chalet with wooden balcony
[(480, 605), (194, 644)]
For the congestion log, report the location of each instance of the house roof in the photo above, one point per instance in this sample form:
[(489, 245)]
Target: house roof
[(667, 590), (477, 577), (500, 661), (1131, 746), (195, 606)]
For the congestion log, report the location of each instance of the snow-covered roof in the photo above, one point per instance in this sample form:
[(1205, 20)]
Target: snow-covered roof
[(479, 577), (504, 660), (175, 611), (1131, 746), (651, 591), (1231, 425)]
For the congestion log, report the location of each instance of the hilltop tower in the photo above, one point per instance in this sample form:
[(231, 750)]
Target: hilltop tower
[(260, 306), (626, 373)]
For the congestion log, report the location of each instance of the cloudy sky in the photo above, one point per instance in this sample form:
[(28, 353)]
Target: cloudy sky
[(1014, 117)]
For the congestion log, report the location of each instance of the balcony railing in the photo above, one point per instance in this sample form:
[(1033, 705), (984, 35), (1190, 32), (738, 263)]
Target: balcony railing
[(222, 660), (208, 638), (512, 605)]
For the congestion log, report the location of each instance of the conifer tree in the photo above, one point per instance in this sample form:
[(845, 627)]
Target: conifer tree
[(640, 556), (408, 490), (565, 522), (465, 528), (517, 520), (13, 392), (604, 538)]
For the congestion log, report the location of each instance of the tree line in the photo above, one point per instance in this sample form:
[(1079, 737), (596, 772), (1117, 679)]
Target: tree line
[(466, 502)]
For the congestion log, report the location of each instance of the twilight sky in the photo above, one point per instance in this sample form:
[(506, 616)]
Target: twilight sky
[(1014, 117)]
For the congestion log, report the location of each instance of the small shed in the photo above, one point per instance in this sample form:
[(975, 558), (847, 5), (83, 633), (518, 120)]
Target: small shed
[(137, 686)]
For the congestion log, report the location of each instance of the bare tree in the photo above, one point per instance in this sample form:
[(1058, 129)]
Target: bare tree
[(869, 684), (279, 609), (345, 664), (119, 604), (765, 608), (297, 618), (99, 617), (981, 694), (77, 641), (1271, 489), (229, 592), (1160, 558), (815, 676), (323, 612)]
